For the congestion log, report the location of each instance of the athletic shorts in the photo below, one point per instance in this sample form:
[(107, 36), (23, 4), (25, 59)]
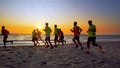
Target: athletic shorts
[(76, 37), (93, 39), (34, 39), (47, 38), (56, 38)]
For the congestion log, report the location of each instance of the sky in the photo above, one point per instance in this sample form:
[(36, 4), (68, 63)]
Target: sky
[(22, 16)]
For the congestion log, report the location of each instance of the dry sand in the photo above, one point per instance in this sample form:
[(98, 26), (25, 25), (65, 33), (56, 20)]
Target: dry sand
[(62, 57)]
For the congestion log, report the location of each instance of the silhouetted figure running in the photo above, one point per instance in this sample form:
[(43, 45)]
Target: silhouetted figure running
[(5, 33), (92, 36), (76, 30), (61, 36), (56, 34), (39, 35), (34, 37), (47, 33)]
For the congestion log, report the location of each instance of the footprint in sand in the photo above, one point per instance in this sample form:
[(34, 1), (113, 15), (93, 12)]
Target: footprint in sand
[(9, 66), (99, 63), (2, 55), (42, 63), (11, 52), (9, 58)]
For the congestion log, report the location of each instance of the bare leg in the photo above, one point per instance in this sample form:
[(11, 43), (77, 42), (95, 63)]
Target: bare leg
[(51, 45), (75, 43), (4, 44), (47, 44), (80, 43)]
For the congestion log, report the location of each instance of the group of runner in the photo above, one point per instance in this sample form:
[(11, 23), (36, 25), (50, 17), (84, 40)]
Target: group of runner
[(77, 31), (59, 36)]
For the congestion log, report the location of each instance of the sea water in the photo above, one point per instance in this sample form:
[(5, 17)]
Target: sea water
[(25, 39)]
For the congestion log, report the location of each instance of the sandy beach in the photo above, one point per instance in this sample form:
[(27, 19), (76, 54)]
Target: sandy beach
[(62, 57)]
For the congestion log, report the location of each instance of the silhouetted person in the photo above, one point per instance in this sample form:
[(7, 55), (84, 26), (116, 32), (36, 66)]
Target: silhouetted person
[(92, 36), (39, 35), (76, 30), (5, 33), (34, 37), (47, 33), (61, 36), (56, 34)]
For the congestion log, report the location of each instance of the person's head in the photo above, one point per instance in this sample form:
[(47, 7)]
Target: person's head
[(55, 26), (46, 24), (37, 29), (34, 30), (59, 29), (3, 27), (90, 22), (75, 23)]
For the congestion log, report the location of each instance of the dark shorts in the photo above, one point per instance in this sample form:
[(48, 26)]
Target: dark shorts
[(56, 38), (61, 38), (34, 39), (76, 37), (47, 38), (91, 39)]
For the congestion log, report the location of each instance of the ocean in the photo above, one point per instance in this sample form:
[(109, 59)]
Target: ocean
[(24, 39)]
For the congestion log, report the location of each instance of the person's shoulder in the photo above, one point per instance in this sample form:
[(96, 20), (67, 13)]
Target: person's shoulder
[(6, 29), (94, 25), (49, 27), (78, 26)]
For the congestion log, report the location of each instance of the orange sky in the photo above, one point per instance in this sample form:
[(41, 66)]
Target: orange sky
[(22, 16), (27, 29)]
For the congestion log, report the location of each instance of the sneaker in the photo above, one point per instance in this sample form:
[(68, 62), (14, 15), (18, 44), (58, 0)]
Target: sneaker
[(102, 51), (81, 48), (4, 47), (76, 46), (47, 46), (11, 42), (87, 52), (65, 42), (55, 46), (51, 47), (35, 44), (100, 47)]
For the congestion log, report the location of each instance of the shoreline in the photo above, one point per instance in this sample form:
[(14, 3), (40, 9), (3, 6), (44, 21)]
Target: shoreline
[(31, 44)]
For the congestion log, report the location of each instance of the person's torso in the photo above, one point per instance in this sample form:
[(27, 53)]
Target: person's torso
[(91, 33), (56, 31), (61, 34), (48, 30), (5, 32), (39, 34), (76, 30), (34, 34)]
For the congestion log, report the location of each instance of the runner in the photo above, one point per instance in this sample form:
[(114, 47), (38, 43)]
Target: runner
[(5, 34), (76, 30), (56, 34), (34, 38), (61, 36), (92, 37), (39, 35), (47, 33)]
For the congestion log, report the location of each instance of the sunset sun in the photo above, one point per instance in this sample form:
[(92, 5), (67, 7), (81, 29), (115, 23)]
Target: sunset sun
[(38, 26)]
